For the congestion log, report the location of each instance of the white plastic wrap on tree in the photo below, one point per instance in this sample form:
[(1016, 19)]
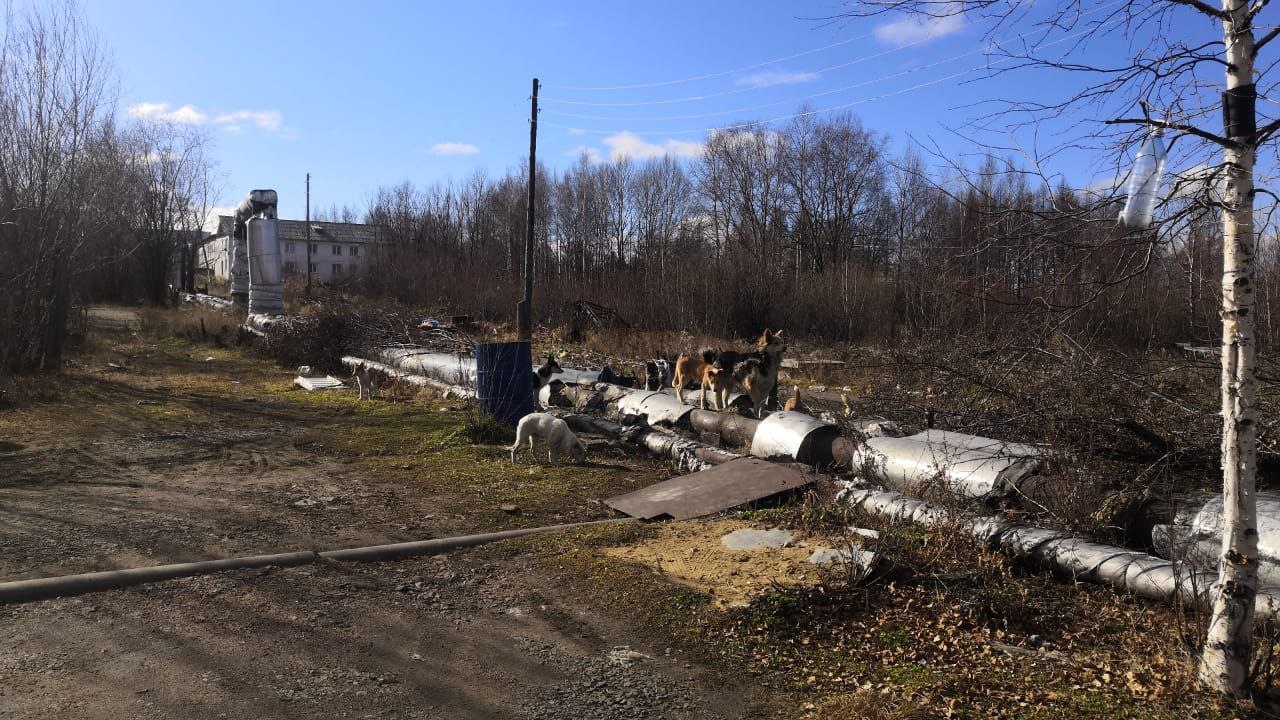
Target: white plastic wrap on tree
[(266, 274), (1144, 182), (967, 465)]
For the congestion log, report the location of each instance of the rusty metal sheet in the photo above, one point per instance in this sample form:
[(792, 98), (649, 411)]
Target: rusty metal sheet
[(720, 488)]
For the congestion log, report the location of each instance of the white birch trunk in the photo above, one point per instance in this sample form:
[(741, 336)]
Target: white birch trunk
[(1224, 665)]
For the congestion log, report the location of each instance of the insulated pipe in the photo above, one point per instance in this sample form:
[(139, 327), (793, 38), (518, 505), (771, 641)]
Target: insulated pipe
[(20, 591), (419, 380), (1138, 573), (688, 454)]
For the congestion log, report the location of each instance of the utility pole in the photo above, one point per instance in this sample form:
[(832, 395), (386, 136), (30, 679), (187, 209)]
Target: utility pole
[(524, 310), (308, 290)]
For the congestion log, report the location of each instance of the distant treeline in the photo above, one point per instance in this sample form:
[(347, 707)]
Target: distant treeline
[(813, 227)]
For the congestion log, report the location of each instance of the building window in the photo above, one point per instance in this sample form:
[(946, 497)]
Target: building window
[(337, 269), (313, 248), (355, 251), (289, 248), (352, 268), (337, 249), (291, 267), (313, 267)]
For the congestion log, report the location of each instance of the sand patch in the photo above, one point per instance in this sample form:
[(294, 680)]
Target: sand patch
[(694, 553)]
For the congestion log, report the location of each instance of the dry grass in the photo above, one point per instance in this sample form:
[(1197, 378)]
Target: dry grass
[(196, 323)]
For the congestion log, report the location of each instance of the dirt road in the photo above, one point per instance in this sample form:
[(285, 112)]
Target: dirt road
[(183, 453)]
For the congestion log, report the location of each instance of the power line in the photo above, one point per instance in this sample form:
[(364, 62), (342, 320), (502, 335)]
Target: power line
[(807, 113), (782, 81), (708, 76), (769, 121), (753, 108), (751, 88)]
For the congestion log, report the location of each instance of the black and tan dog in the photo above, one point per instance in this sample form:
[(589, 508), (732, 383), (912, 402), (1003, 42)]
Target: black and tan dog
[(758, 374)]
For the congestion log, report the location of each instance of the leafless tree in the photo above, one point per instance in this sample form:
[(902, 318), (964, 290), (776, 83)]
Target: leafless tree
[(1175, 52), (54, 110), (173, 196)]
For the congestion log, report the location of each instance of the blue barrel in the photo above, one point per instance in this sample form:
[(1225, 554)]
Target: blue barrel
[(504, 380)]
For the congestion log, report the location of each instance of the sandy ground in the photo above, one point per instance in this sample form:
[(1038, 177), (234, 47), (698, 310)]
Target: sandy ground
[(694, 554), (127, 468)]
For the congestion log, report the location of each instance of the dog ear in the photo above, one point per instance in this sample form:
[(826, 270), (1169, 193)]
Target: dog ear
[(778, 334)]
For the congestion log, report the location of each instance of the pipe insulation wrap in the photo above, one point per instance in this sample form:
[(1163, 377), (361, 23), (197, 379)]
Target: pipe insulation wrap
[(1127, 570), (266, 275)]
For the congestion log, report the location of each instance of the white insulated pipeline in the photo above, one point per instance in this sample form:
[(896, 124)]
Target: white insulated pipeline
[(21, 591), (420, 380), (1127, 570)]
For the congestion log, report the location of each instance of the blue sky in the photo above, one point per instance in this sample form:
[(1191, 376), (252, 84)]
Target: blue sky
[(369, 94)]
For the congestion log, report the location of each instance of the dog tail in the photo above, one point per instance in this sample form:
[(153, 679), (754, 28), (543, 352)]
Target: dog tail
[(708, 355)]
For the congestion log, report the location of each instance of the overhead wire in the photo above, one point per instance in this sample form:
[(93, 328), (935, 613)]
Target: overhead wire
[(737, 91), (790, 101), (807, 113), (708, 76)]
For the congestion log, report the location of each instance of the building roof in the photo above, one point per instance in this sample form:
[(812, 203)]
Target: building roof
[(296, 231)]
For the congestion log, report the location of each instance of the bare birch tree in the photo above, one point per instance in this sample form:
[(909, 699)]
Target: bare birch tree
[(1173, 61)]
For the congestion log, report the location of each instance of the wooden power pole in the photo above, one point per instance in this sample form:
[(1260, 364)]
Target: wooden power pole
[(524, 310), (308, 290)]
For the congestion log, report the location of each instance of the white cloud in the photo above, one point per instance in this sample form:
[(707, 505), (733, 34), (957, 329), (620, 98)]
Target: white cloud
[(153, 157), (268, 120), (915, 29), (593, 155), (454, 148), (626, 144), (576, 131), (211, 217), (775, 77), (186, 115)]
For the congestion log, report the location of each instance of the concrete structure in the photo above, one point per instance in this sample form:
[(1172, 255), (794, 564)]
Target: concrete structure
[(340, 251)]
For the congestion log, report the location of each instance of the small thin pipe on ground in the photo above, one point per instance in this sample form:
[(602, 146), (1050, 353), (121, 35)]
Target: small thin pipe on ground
[(21, 591)]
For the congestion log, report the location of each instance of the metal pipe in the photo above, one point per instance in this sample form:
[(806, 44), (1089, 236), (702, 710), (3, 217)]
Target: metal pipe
[(20, 591)]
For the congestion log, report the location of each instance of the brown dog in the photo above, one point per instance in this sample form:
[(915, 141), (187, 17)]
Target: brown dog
[(795, 403), (712, 370)]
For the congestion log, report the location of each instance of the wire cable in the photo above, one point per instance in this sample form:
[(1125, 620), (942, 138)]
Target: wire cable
[(751, 88), (807, 113), (864, 83), (708, 76)]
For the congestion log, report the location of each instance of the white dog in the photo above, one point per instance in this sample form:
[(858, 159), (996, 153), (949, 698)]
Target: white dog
[(551, 430), (367, 380)]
